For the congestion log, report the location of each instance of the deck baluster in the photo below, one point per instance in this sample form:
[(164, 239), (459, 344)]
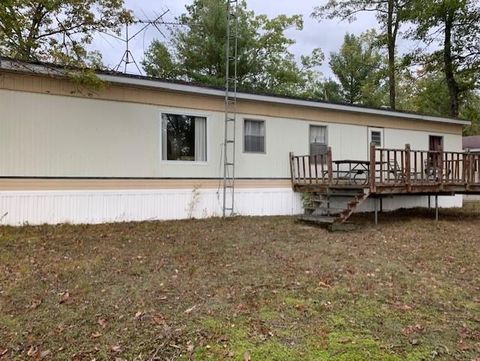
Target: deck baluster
[(408, 170)]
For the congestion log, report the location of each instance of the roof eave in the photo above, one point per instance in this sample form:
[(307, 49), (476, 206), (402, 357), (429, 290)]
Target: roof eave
[(26, 67), (193, 89)]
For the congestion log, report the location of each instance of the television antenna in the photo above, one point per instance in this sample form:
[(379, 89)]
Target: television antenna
[(127, 57)]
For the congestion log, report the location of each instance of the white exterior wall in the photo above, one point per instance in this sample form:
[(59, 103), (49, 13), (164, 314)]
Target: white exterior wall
[(70, 137)]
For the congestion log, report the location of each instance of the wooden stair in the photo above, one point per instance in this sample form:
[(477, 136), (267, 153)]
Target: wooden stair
[(335, 206)]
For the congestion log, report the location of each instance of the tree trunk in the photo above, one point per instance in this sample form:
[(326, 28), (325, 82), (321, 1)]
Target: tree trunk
[(391, 42), (453, 89)]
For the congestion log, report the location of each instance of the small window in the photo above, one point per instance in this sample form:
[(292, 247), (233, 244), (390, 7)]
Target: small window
[(184, 138), (318, 140), (254, 136), (376, 138)]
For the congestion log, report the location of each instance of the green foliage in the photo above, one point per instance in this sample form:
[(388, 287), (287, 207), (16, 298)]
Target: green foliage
[(391, 14), (452, 29), (471, 111), (55, 31), (423, 92), (359, 68), (265, 64)]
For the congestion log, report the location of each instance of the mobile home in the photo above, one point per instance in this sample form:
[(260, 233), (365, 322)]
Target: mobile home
[(146, 149)]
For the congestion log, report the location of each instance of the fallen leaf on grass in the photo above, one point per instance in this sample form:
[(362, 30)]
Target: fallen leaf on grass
[(138, 315), (189, 310), (116, 349), (44, 354), (102, 322), (32, 351), (96, 335), (324, 285), (65, 297), (402, 306), (35, 303), (246, 356), (412, 329)]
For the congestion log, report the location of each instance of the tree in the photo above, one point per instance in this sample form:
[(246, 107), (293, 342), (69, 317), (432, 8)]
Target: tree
[(358, 67), (265, 64), (390, 14), (55, 30), (423, 92), (453, 27)]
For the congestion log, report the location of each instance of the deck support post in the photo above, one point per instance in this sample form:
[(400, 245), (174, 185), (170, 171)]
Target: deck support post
[(330, 166), (375, 201), (436, 208), (372, 168)]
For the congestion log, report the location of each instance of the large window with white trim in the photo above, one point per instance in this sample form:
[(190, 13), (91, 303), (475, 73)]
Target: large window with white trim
[(184, 137)]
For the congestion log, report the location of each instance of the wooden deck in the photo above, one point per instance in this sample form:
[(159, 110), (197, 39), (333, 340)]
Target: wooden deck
[(389, 171)]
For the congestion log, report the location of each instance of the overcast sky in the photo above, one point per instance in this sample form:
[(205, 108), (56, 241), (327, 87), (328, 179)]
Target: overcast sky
[(327, 35)]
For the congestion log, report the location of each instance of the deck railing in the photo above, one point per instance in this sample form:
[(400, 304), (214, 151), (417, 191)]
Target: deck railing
[(402, 168)]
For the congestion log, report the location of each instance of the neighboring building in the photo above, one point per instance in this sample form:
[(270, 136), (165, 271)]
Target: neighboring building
[(471, 143), (144, 149)]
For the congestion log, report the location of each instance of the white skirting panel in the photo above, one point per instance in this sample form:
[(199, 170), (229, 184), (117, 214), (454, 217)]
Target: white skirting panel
[(53, 207)]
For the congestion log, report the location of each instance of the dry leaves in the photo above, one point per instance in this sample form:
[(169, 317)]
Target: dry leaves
[(189, 310), (246, 356), (65, 297), (35, 303), (116, 349), (102, 322)]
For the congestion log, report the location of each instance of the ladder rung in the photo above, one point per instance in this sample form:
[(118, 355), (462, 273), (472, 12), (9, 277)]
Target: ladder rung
[(230, 141), (229, 164), (231, 119)]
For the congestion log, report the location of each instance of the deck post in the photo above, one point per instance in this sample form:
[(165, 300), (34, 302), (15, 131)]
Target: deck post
[(408, 168), (467, 169), (375, 201), (292, 169), (436, 207), (330, 166), (372, 168)]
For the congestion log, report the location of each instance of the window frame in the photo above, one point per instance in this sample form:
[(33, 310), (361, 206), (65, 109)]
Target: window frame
[(180, 111), (310, 135), (245, 120), (382, 136)]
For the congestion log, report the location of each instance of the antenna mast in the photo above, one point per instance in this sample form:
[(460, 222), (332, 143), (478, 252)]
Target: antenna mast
[(231, 83), (127, 57)]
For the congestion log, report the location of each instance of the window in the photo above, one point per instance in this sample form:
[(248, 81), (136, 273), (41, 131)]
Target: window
[(318, 140), (254, 141), (376, 137), (184, 137)]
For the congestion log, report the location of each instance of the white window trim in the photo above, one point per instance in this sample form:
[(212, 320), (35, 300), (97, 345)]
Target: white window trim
[(382, 135), (264, 137), (186, 112), (310, 125)]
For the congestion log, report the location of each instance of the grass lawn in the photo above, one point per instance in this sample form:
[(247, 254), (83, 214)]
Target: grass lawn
[(243, 289)]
